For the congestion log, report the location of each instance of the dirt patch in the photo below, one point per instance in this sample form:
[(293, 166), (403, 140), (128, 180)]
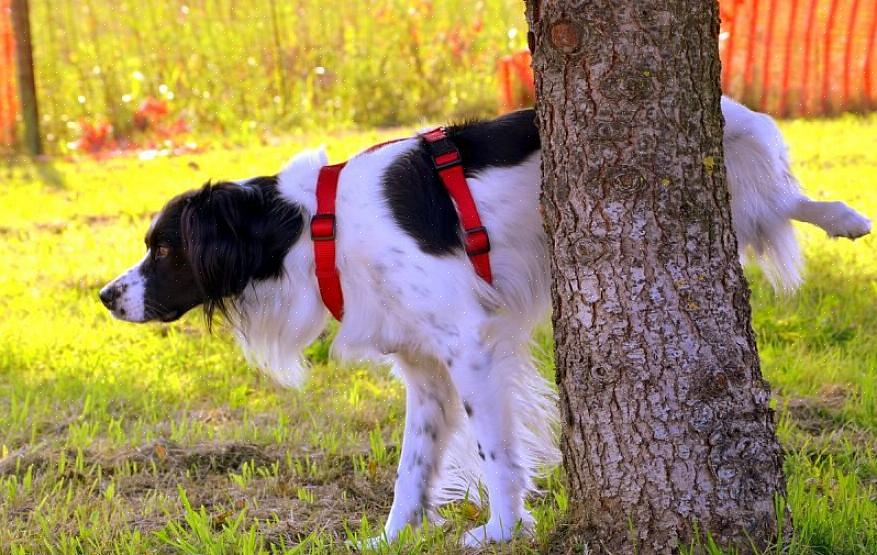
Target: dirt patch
[(816, 415), (287, 497), (164, 456), (826, 429), (203, 458)]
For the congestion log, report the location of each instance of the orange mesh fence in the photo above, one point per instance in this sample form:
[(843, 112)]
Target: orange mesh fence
[(800, 57), (515, 74), (785, 57), (7, 70)]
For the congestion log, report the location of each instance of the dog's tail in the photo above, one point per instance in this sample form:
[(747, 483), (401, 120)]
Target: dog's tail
[(764, 193)]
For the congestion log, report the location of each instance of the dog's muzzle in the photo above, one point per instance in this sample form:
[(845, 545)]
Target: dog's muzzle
[(124, 297)]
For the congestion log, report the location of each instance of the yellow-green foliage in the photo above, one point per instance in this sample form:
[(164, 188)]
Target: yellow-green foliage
[(241, 67), (116, 437)]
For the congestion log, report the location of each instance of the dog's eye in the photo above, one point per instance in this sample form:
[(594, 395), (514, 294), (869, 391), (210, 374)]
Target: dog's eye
[(162, 251)]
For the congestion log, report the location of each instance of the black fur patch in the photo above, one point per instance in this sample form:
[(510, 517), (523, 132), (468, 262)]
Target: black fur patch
[(415, 193), (220, 238), (235, 234)]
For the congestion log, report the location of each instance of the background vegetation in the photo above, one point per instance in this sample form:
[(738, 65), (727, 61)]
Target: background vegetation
[(243, 69), (123, 438)]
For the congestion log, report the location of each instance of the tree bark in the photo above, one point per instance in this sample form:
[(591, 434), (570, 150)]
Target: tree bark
[(667, 430)]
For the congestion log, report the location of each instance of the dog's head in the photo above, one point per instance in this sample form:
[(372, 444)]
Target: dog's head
[(204, 248)]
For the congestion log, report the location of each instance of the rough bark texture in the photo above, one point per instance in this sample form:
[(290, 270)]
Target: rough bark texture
[(667, 428)]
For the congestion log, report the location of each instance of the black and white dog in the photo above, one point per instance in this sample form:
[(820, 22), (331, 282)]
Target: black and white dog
[(477, 410)]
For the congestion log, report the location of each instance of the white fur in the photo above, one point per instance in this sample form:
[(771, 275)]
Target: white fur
[(275, 319), (765, 196)]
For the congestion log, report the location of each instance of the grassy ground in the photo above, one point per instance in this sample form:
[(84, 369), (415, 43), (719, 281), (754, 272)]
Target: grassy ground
[(123, 438)]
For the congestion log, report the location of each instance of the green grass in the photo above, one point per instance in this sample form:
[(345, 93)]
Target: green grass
[(118, 438)]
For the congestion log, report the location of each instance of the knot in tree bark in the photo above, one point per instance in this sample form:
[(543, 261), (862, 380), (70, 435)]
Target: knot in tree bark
[(566, 36)]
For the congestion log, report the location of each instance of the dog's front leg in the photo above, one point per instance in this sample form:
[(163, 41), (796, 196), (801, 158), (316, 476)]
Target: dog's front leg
[(429, 421), (479, 378)]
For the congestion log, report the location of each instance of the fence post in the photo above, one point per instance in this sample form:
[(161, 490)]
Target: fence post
[(787, 59), (848, 61), (809, 27), (728, 62), (26, 86), (768, 55), (749, 62), (869, 61), (827, 105)]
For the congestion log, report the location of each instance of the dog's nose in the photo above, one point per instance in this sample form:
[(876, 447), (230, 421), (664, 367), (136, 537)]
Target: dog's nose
[(108, 296)]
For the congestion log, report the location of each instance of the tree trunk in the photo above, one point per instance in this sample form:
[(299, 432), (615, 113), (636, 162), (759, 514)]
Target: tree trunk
[(667, 430), (26, 86)]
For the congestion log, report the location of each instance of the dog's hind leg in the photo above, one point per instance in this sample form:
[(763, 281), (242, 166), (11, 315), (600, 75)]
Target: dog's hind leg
[(430, 419), (766, 196), (836, 218)]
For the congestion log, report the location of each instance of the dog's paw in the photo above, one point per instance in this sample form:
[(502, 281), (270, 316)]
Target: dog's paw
[(848, 223), (494, 531), (369, 545)]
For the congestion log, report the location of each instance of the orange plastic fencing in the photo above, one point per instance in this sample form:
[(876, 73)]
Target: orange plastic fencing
[(8, 104), (800, 57), (515, 75), (785, 57)]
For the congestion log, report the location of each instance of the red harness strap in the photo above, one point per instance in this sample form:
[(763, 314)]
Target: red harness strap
[(448, 164), (323, 236)]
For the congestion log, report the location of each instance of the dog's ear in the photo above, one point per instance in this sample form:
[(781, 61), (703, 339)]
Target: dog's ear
[(234, 234)]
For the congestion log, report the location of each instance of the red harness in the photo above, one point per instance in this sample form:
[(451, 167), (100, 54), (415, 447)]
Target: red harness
[(448, 164)]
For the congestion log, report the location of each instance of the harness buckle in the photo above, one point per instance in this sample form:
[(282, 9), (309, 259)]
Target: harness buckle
[(323, 227), (477, 241), (446, 161), (444, 152)]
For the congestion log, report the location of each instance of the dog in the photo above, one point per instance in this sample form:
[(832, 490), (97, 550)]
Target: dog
[(477, 411)]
